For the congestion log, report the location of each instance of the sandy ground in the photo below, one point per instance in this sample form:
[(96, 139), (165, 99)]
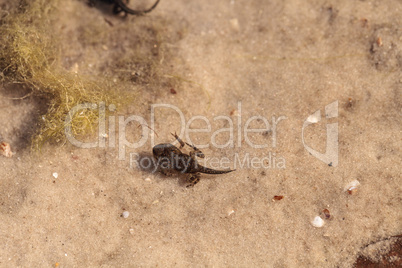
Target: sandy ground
[(276, 58)]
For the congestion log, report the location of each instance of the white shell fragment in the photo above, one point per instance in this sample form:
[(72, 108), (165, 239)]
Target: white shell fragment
[(352, 186), (125, 214), (5, 149), (55, 175), (314, 118), (318, 222)]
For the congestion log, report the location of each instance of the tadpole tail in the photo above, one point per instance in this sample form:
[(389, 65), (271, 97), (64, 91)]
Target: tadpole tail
[(128, 10), (213, 171)]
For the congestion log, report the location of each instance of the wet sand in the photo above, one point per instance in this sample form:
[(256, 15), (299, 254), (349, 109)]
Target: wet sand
[(238, 59)]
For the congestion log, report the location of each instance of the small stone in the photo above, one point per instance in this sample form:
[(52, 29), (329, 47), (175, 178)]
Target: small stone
[(125, 214), (55, 175), (318, 222), (131, 231)]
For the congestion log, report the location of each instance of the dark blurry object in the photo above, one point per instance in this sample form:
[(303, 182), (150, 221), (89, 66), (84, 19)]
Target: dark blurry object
[(120, 6), (391, 259)]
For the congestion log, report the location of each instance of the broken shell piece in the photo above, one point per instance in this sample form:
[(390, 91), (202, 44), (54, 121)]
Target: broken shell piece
[(326, 213), (352, 186), (125, 214), (234, 113), (352, 190), (318, 222), (5, 149), (277, 197)]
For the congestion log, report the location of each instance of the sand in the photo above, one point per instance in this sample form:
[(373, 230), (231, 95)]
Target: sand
[(280, 61)]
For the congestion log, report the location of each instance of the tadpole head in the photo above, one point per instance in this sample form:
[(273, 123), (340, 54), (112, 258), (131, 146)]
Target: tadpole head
[(158, 150), (164, 150)]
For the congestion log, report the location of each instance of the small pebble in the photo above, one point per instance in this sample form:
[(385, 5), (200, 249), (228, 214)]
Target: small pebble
[(234, 113), (379, 41), (318, 222), (131, 231), (55, 175), (235, 24), (125, 214), (5, 149), (74, 68)]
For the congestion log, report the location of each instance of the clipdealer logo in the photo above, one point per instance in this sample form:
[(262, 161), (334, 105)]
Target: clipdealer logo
[(232, 126)]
